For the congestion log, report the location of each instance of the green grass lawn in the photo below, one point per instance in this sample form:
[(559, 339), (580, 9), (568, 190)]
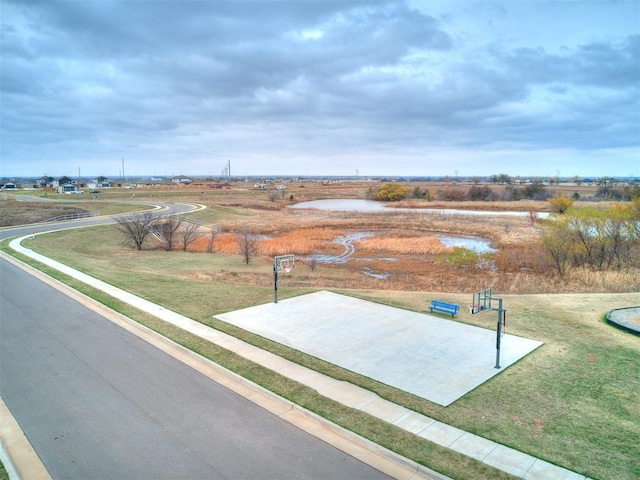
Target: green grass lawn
[(574, 402)]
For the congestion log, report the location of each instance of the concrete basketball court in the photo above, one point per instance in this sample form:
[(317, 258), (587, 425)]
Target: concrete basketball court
[(435, 358)]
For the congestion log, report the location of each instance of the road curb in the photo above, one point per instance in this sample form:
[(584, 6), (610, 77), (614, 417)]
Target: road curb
[(16, 452)]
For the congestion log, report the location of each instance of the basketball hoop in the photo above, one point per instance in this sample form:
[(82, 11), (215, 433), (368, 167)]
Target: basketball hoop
[(281, 263), (481, 301), (284, 263)]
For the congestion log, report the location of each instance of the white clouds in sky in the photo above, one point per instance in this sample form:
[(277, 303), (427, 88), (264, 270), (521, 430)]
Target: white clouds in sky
[(525, 87)]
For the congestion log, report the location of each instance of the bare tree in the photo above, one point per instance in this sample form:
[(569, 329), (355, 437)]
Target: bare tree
[(210, 238), (188, 234), (247, 245), (135, 227), (168, 227)]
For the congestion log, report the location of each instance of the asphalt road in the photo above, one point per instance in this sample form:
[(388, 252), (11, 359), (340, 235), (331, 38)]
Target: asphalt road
[(95, 401)]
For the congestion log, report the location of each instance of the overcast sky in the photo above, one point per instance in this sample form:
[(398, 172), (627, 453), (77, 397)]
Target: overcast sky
[(468, 87)]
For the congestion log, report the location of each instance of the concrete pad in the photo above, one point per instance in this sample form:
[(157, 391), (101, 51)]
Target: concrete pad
[(510, 460), (385, 410), (348, 394), (308, 377), (441, 433), (264, 358), (414, 422), (473, 446), (437, 359), (541, 470)]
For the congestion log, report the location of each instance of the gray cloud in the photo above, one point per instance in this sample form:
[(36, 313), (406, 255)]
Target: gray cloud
[(302, 84)]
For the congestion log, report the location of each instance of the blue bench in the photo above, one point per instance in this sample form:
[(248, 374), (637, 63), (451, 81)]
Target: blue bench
[(444, 307)]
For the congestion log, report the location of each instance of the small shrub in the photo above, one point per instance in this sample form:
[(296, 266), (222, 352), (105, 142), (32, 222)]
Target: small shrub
[(391, 192), (462, 258), (452, 195), (560, 203), (480, 193)]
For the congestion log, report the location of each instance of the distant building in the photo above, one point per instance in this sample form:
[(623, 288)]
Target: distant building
[(47, 182), (101, 182), (66, 181), (67, 188), (181, 180)]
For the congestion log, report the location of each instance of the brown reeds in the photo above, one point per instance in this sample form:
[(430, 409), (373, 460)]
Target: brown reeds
[(403, 245), (300, 242)]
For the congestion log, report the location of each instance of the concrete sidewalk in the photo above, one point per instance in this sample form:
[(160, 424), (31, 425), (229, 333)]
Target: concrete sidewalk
[(499, 456)]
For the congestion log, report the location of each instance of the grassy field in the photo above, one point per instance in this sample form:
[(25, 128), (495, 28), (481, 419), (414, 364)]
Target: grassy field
[(13, 212), (574, 401)]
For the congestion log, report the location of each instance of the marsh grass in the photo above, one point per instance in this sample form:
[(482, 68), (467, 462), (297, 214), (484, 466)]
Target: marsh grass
[(403, 243)]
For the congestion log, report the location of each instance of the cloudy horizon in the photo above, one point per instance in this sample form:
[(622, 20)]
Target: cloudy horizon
[(340, 88)]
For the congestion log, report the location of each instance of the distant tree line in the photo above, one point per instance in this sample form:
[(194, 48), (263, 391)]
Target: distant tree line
[(535, 190)]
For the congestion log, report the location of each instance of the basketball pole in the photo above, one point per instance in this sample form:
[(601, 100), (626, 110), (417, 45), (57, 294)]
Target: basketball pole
[(275, 283), (483, 302), (499, 332), (280, 262)]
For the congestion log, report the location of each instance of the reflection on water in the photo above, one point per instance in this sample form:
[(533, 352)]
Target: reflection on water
[(354, 205), (478, 245), (343, 205), (475, 244)]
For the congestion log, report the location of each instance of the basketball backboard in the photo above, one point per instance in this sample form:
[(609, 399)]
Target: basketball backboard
[(481, 301), (284, 263)]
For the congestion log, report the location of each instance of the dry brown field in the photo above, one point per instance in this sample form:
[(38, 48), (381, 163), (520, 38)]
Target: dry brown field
[(401, 251)]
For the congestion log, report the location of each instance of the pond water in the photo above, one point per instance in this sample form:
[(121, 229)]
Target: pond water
[(343, 205), (476, 244), (356, 205)]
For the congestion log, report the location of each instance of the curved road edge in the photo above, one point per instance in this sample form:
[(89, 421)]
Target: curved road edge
[(352, 444), (19, 458)]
